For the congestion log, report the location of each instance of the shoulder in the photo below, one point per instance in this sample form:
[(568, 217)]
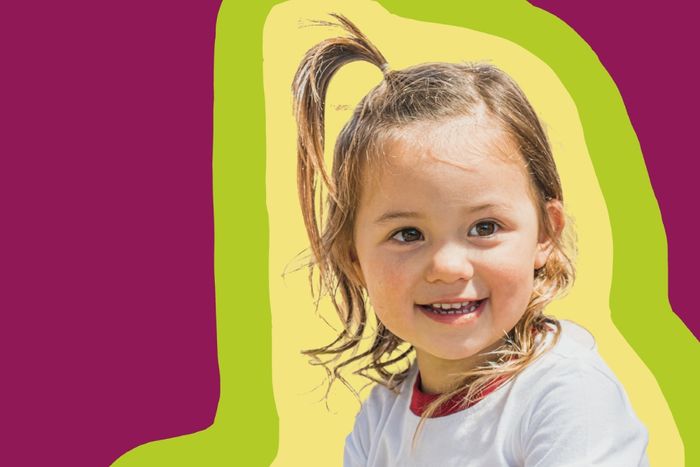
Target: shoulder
[(382, 400), (577, 409), (572, 357), (573, 374)]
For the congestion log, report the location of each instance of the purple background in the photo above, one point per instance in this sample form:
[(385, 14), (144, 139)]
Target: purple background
[(108, 332), (107, 290)]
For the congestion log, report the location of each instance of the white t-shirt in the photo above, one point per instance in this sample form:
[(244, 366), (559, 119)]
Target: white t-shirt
[(565, 409)]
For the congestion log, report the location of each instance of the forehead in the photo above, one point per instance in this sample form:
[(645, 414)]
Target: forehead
[(470, 150), (462, 141)]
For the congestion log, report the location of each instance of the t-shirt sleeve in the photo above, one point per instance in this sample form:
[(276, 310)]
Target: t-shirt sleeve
[(357, 442), (583, 418), (355, 454)]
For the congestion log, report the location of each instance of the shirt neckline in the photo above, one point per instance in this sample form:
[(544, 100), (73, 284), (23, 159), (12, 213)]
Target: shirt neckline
[(420, 400)]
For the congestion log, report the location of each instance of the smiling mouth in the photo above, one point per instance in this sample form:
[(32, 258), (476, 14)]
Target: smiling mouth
[(462, 308)]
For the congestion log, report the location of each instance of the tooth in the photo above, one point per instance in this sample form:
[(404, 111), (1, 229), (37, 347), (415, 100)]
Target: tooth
[(446, 306)]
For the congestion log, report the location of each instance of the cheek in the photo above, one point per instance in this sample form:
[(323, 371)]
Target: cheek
[(387, 282), (510, 272), (381, 279)]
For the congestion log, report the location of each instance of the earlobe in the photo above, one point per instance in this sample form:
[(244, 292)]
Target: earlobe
[(544, 249), (556, 219), (543, 252)]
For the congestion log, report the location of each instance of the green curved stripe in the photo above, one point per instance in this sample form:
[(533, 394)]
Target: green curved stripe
[(245, 432)]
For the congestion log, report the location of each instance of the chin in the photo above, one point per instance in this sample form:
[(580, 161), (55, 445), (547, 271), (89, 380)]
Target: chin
[(461, 352), (453, 354)]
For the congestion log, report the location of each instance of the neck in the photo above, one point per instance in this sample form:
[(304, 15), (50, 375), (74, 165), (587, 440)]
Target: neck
[(439, 375)]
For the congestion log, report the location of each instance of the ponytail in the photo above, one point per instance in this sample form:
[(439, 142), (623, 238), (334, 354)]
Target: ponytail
[(331, 244), (309, 88)]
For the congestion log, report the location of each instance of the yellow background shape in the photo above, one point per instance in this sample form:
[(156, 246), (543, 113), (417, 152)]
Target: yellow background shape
[(310, 434)]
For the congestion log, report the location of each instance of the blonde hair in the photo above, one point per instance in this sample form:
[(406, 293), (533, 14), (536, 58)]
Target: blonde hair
[(422, 93)]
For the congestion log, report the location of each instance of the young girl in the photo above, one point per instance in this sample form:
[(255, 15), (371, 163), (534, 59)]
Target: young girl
[(445, 214)]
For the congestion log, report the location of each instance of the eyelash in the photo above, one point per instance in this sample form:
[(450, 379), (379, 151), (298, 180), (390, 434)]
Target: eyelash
[(496, 227)]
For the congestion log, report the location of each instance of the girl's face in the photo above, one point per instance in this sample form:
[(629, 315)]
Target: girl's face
[(447, 239)]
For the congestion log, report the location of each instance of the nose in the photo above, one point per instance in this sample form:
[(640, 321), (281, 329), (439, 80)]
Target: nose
[(450, 263)]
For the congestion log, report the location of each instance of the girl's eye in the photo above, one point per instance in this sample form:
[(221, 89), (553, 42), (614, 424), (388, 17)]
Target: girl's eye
[(408, 235), (483, 229)]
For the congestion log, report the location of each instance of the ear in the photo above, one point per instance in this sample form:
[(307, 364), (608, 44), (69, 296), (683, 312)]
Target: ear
[(545, 244)]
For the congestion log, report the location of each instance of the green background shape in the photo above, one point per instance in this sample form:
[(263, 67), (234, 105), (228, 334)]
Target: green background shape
[(245, 431)]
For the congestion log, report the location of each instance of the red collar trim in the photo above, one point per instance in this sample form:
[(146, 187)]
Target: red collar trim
[(420, 400)]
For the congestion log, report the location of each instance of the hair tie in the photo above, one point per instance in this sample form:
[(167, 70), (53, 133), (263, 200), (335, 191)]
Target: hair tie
[(385, 69)]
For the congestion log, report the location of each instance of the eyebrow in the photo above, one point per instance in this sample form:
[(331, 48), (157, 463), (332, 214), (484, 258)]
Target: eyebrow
[(394, 215)]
